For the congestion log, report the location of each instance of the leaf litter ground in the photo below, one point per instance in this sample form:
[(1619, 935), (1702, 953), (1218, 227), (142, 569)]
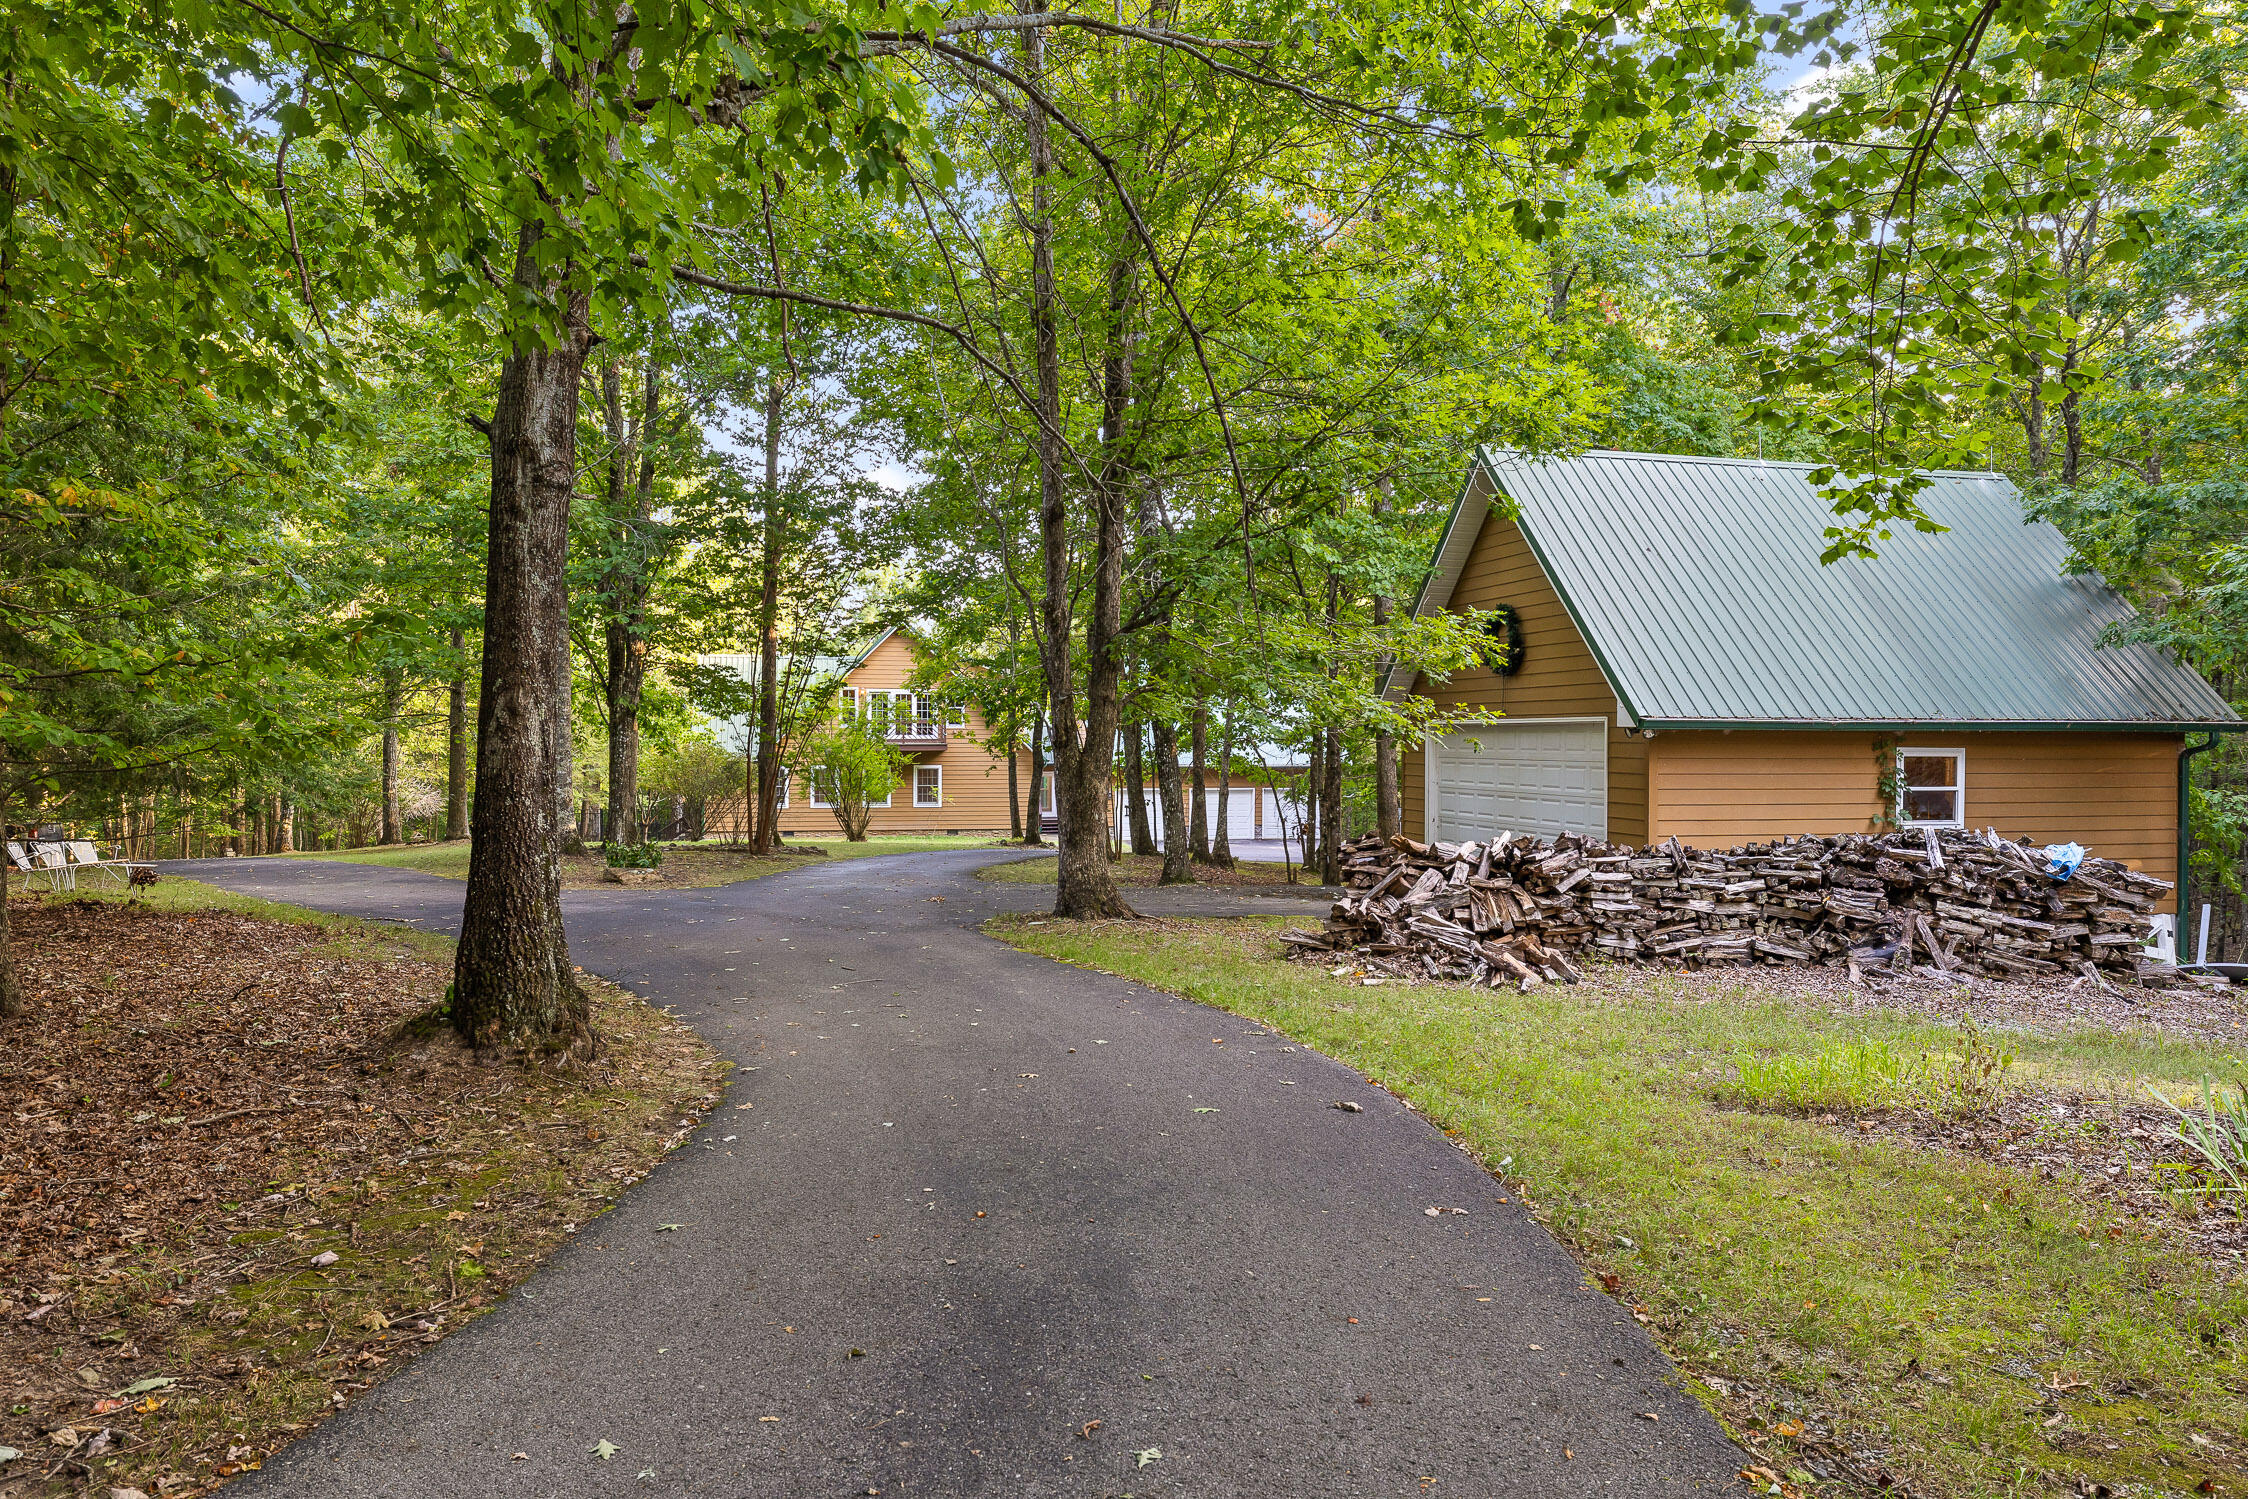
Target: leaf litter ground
[(238, 1188)]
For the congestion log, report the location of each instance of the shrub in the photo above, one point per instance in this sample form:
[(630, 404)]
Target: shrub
[(634, 855)]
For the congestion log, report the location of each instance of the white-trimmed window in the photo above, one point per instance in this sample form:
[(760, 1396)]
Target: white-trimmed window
[(1047, 781), (850, 697), (1932, 788), (956, 715), (928, 785), (783, 802)]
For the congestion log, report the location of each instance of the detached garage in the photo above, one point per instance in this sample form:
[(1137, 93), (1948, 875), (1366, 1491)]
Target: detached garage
[(1669, 658)]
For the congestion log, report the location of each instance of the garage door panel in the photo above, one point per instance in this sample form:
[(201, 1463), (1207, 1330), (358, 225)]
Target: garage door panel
[(1542, 779)]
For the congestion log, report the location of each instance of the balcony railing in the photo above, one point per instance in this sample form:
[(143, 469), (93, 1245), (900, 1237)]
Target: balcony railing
[(916, 733)]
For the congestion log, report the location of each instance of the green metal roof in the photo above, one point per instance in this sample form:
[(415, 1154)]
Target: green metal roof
[(1698, 585)]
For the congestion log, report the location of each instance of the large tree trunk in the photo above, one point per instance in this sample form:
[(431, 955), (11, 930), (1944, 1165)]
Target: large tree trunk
[(1035, 800), (767, 835), (1082, 749), (1170, 787), (512, 984), (1315, 781), (393, 698), (1331, 813), (1014, 788), (1135, 787), (1389, 801), (1221, 842), (1198, 815), (632, 479), (287, 844), (456, 748), (11, 988), (626, 672)]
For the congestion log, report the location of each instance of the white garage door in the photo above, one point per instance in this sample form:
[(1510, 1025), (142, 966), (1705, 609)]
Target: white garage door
[(1542, 778)]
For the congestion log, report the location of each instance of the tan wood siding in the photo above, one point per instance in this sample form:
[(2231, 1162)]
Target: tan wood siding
[(2114, 793), (1559, 677), (975, 776)]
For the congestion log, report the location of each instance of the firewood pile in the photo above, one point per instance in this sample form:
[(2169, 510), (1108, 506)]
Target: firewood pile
[(1948, 902)]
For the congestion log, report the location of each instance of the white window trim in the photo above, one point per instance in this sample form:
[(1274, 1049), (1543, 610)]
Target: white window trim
[(783, 803), (1046, 784), (938, 772), (1904, 790)]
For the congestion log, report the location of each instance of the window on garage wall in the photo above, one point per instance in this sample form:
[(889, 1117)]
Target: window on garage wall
[(1933, 786)]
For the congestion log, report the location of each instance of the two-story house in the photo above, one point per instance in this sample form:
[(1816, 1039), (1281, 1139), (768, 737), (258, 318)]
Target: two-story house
[(956, 781)]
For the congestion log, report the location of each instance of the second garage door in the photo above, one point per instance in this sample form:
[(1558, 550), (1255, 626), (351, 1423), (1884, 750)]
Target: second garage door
[(1538, 777)]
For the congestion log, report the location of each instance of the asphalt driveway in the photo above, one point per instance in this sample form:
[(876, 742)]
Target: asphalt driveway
[(973, 1223)]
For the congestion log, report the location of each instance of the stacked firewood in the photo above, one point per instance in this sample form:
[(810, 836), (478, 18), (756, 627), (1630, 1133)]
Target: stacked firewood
[(1947, 901)]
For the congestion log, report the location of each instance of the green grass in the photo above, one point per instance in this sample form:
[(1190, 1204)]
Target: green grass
[(1139, 870), (351, 936), (1860, 1075), (1806, 1260), (450, 860)]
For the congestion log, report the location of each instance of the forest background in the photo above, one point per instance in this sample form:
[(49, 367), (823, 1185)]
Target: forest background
[(396, 405)]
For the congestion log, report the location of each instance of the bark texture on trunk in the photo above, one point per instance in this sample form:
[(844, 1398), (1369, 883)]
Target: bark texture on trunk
[(1389, 800), (1082, 748), (1135, 786), (1198, 814), (1035, 798), (1170, 786), (1014, 791), (512, 985), (11, 987), (1221, 842), (625, 583), (287, 843), (1331, 815), (1315, 782), (765, 835), (456, 749), (393, 696)]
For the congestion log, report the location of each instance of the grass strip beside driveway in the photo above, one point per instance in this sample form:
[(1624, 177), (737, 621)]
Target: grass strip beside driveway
[(1853, 1304), (686, 866)]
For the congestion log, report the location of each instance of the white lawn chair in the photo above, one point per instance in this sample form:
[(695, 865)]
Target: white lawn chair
[(84, 855), (43, 861), (19, 858)]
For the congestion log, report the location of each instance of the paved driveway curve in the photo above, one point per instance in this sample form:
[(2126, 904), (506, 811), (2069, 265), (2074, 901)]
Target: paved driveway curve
[(1034, 1198)]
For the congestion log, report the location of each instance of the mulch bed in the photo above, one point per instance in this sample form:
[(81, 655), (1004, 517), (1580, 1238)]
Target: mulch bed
[(236, 1188)]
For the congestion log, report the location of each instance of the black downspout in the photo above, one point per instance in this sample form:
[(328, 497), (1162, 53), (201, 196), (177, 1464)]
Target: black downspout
[(2185, 837)]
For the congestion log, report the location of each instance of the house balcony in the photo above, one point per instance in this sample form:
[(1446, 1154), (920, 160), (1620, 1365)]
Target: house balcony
[(915, 736)]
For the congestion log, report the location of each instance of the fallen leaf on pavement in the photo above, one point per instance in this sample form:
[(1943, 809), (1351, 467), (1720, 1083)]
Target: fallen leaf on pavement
[(1349, 1108), (604, 1449), (1088, 1428), (1146, 1455), (669, 1228)]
